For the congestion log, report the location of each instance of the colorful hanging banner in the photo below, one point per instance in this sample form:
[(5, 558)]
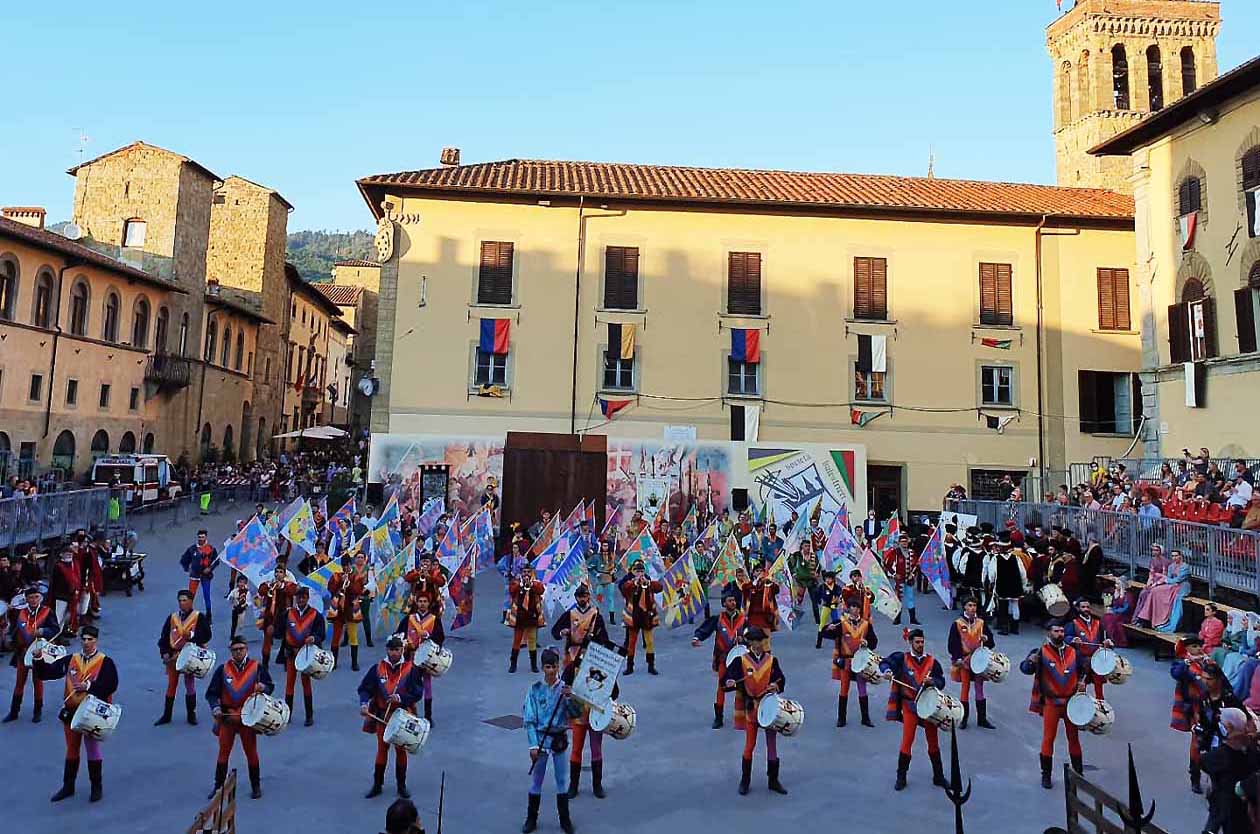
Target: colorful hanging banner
[(746, 345), (494, 336)]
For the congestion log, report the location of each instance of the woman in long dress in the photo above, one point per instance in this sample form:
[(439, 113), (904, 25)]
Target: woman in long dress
[(1160, 601)]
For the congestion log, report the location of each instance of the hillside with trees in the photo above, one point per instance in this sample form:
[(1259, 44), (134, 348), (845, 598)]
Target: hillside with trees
[(315, 252)]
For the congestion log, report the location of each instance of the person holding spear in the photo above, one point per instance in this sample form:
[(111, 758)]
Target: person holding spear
[(547, 712)]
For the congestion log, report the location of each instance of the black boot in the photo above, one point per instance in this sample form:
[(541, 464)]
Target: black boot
[(1196, 783), (428, 711), (913, 619), (717, 716), (966, 715), (982, 715), (842, 712), (308, 701), (651, 659), (167, 708), (354, 658), (220, 776), (818, 642), (629, 666), (400, 777), (938, 771), (38, 714), (745, 775), (255, 783), (597, 779), (531, 814), (575, 778), (533, 660), (562, 811), (516, 653), (288, 701), (1078, 764), (378, 782), (903, 765), (1046, 781), (69, 773), (1014, 625), (336, 653), (94, 778), (772, 780), (190, 706), (864, 704), (15, 707)]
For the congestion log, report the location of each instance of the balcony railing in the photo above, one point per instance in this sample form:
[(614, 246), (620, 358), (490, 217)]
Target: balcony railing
[(312, 395), (168, 372)]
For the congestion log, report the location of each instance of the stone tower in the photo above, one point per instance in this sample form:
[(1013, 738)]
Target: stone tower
[(1115, 62)]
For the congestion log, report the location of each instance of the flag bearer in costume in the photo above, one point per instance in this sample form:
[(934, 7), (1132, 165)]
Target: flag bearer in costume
[(761, 600), (393, 683), (753, 676), (198, 562), (525, 616), (911, 672), (727, 629), (274, 596), (1187, 697), (580, 625), (30, 624), (966, 634), (582, 730), (902, 567), (303, 626), (421, 625), (640, 615), (180, 628), (87, 672), (1085, 633), (600, 566), (549, 706), (348, 587), (853, 631), (830, 604), (234, 683), (510, 567), (805, 577), (1058, 673)]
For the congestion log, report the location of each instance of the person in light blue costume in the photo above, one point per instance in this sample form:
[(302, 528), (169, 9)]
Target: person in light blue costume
[(548, 707)]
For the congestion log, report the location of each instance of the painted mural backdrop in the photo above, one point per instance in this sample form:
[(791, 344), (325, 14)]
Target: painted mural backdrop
[(795, 479), (652, 476), (471, 461)]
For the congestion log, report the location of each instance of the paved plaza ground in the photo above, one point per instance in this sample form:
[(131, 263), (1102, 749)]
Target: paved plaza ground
[(673, 774)]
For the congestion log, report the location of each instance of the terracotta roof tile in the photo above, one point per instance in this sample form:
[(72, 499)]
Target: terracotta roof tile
[(734, 186), (357, 262), (340, 295)]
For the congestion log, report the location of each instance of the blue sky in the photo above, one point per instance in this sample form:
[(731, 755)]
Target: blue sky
[(307, 97)]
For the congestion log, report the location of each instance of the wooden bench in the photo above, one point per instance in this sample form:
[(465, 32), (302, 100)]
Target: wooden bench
[(1161, 639)]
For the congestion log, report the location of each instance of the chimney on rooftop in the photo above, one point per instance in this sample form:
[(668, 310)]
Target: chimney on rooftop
[(31, 215), (450, 157)]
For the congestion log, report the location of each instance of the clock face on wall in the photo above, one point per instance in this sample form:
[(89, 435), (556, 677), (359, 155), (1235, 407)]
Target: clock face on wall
[(384, 239)]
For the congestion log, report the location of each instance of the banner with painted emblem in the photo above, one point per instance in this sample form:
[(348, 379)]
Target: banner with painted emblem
[(683, 595), (382, 545), (252, 552), (392, 590), (729, 560), (460, 589), (644, 549), (841, 550), (935, 566), (886, 600), (433, 509), (300, 528), (597, 675)]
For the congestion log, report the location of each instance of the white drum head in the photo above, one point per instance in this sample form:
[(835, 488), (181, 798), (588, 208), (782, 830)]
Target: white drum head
[(1081, 709), (305, 657), (600, 719), (252, 711), (861, 658), (423, 651), (925, 705), (768, 710), (1103, 662), (738, 651), (980, 660)]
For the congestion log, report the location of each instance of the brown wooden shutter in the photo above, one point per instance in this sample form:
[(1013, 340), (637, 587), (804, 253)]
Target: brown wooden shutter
[(879, 288), (1087, 387), (996, 302), (1246, 319), (1120, 282), (1190, 195), (1251, 169), (494, 278), (1209, 327), (621, 277), (1179, 333), (743, 289), (1005, 302), (870, 288), (1106, 301)]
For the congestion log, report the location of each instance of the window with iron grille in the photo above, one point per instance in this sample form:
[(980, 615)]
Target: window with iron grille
[(870, 288), (996, 306), (1113, 299), (621, 278), (742, 378), (494, 278), (997, 385), (743, 283)]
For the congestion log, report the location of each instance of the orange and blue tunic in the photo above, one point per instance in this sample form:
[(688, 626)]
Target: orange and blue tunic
[(299, 625), (1189, 693), (753, 676), (910, 675), (848, 636), (232, 685), (964, 638), (1056, 676), (381, 682), (1089, 632)]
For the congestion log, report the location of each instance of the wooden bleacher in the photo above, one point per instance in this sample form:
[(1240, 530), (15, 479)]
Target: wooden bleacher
[(1191, 616)]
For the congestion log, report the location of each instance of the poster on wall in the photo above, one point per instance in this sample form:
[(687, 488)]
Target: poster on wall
[(674, 476), (797, 479), (471, 462)]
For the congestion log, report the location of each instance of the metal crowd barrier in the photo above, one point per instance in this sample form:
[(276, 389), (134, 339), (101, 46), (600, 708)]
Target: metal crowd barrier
[(1222, 557), (32, 520)]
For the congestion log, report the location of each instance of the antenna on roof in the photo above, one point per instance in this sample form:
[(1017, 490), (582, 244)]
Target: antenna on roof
[(83, 143), (931, 163)]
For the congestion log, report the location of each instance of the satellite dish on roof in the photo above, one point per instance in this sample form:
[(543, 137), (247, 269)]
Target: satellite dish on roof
[(367, 386), (71, 231)]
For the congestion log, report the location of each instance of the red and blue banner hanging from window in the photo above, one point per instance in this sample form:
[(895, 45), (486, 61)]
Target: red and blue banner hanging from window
[(746, 346), (494, 336)]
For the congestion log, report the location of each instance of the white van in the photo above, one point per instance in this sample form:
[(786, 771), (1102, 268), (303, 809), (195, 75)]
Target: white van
[(147, 478)]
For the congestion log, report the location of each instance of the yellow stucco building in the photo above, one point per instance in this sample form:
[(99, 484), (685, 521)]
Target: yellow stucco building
[(1195, 171)]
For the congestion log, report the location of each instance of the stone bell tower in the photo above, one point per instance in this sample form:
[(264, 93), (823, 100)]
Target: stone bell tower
[(1115, 62)]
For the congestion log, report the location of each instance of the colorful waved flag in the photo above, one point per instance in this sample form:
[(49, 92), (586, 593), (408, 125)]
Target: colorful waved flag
[(842, 514), (449, 553), (323, 506), (548, 534), (346, 511), (610, 408), (460, 590), (283, 517), (555, 550), (300, 528), (889, 535), (382, 544), (433, 509), (1000, 344), (611, 514), (886, 600), (572, 528), (935, 566), (683, 595), (317, 580), (590, 513), (709, 537), (252, 552), (390, 514), (789, 614), (392, 590), (840, 547), (729, 560), (691, 525), (644, 549), (569, 571)]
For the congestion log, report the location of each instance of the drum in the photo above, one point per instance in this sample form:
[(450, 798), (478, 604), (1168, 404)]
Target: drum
[(50, 652), (433, 659), (4, 609), (406, 731), (618, 720), (1055, 601), (194, 660), (736, 652), (18, 603), (866, 663), (782, 715), (1091, 714), (314, 661), (1110, 666), (938, 708), (96, 718), (265, 714), (990, 665)]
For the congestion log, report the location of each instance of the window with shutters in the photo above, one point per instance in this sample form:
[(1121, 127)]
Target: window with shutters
[(743, 284), (870, 288), (742, 378), (1109, 402), (1251, 190), (997, 385), (494, 277), (621, 278), (1192, 324), (1247, 312), (1189, 196), (1113, 299), (996, 306)]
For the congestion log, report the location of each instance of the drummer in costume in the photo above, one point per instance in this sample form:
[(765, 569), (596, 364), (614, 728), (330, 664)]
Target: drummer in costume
[(966, 634), (580, 724), (727, 629), (1085, 633), (231, 685), (1058, 673), (181, 628), (303, 626), (274, 596), (580, 625), (422, 624), (36, 621), (830, 603), (1188, 696), (853, 631), (87, 672), (391, 684), (548, 708), (912, 672), (525, 616), (753, 676), (639, 615), (761, 600)]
